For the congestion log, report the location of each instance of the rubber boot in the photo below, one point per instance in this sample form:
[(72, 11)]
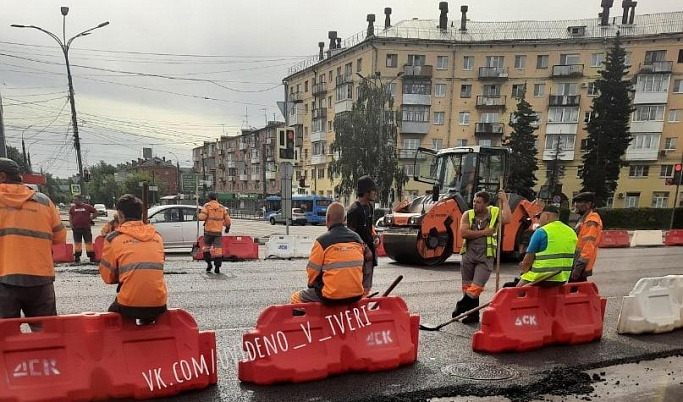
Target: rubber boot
[(217, 263), (459, 307), (474, 317), (77, 257), (91, 257), (207, 258)]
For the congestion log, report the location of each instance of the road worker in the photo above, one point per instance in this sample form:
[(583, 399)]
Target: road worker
[(29, 226), (111, 225), (215, 217), (588, 229), (81, 217), (551, 248), (479, 228), (133, 258), (359, 218), (336, 269)]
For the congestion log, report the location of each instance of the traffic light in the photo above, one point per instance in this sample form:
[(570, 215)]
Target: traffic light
[(676, 180), (86, 175), (285, 144)]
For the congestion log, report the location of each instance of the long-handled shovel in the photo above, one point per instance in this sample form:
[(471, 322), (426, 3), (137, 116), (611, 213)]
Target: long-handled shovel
[(483, 306), (389, 290)]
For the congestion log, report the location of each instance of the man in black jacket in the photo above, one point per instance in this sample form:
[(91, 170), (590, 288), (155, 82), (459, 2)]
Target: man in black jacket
[(359, 219)]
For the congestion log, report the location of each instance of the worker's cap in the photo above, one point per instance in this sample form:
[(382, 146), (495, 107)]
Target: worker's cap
[(585, 196), (212, 195), (365, 185), (549, 208), (9, 166)]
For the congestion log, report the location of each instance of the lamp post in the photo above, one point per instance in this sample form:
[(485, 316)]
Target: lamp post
[(65, 45), (177, 180)]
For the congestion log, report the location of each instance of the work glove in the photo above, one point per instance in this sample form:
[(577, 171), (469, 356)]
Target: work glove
[(578, 269), (227, 229), (511, 284)]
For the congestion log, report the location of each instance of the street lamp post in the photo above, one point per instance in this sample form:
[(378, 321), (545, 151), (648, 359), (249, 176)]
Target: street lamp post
[(65, 45)]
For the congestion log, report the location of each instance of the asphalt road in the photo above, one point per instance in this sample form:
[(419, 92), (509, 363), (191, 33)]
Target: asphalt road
[(230, 303)]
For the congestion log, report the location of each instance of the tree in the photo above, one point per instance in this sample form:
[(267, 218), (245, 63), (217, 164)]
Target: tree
[(131, 185), (365, 141), (608, 129), (523, 152), (14, 154), (555, 173), (52, 189), (102, 187)]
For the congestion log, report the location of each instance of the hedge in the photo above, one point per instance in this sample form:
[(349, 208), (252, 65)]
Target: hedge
[(640, 218)]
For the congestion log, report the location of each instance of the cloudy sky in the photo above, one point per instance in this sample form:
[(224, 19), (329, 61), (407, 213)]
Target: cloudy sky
[(170, 74)]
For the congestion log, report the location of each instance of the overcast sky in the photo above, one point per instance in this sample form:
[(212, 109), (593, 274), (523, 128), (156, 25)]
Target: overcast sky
[(243, 47)]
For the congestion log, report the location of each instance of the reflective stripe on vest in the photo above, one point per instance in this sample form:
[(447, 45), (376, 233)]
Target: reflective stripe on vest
[(491, 241), (559, 255)]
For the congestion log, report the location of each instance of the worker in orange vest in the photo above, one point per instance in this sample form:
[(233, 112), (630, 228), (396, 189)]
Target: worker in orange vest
[(29, 226), (215, 217), (589, 231), (133, 258)]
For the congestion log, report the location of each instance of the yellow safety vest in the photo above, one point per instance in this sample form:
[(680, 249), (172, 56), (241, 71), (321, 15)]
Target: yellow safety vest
[(491, 241), (558, 255)]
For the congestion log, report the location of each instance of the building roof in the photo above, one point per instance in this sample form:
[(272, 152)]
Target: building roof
[(488, 31)]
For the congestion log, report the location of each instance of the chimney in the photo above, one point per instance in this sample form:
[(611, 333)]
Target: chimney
[(463, 18), (443, 18), (338, 43), (371, 25), (604, 15), (387, 18), (633, 12), (332, 36), (321, 45)]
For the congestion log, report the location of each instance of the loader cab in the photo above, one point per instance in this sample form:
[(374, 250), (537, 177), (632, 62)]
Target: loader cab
[(461, 172)]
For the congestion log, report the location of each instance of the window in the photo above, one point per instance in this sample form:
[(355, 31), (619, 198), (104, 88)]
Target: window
[(489, 117), (344, 92), (348, 69), (666, 171), (438, 118), (592, 89), (416, 60), (587, 116), (495, 61), (440, 90), (674, 115), (468, 63), (638, 171), (329, 125), (441, 62), (579, 173), (644, 141), (520, 61), (680, 56), (660, 199), (464, 118), (318, 149), (460, 143), (306, 86), (632, 200), (653, 56), (517, 91), (437, 144), (466, 91), (359, 65), (597, 59), (542, 61), (409, 170), (330, 76), (392, 60), (411, 143), (670, 143), (653, 83), (416, 113), (392, 88), (649, 113), (571, 58), (321, 173), (565, 141), (678, 86), (492, 91), (306, 108), (484, 142), (563, 115), (417, 88), (539, 90), (329, 102), (567, 88), (628, 56)]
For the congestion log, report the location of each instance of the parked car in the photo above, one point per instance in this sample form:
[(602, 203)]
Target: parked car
[(177, 224), (298, 217), (101, 209)]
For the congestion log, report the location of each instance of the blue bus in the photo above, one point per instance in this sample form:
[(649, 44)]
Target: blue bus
[(314, 206)]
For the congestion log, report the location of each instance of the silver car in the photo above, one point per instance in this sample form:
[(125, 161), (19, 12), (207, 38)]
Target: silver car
[(298, 217), (177, 224)]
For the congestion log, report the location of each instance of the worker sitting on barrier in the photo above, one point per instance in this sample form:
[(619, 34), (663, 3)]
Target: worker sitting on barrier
[(133, 257), (551, 248), (336, 269)]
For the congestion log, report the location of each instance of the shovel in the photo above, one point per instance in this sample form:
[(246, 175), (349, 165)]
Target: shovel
[(386, 292), (483, 306)]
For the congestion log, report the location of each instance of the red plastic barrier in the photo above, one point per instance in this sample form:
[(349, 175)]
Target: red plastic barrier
[(329, 340), (93, 356), (98, 247), (521, 319), (234, 248), (62, 253), (614, 238), (380, 248), (674, 238)]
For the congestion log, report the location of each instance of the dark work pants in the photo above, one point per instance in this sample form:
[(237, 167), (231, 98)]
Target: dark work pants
[(145, 314), (34, 301)]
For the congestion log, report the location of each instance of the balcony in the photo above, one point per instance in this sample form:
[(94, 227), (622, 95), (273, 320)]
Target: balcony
[(343, 106), (343, 79), (417, 72), (318, 136), (491, 102), (320, 113), (271, 175), (243, 145), (417, 99), (493, 73), (296, 97), (567, 70), (488, 128), (641, 97), (414, 127), (319, 88), (318, 159), (296, 118), (243, 177), (564, 155), (663, 67), (564, 100), (230, 164), (255, 159), (409, 153), (651, 126)]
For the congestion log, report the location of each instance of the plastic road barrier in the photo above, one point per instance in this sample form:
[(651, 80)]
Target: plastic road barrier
[(98, 246), (63, 253), (304, 244), (674, 238), (234, 248), (654, 305), (614, 238), (647, 238), (281, 246), (380, 247)]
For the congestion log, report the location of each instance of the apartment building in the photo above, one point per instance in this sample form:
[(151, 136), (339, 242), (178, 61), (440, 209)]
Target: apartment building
[(244, 165), (457, 83)]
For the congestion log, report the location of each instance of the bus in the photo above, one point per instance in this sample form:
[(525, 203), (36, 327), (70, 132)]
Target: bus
[(314, 206)]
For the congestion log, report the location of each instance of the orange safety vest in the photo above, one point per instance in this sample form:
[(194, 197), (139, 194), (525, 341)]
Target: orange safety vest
[(133, 257), (335, 267), (215, 217), (29, 226), (589, 232)]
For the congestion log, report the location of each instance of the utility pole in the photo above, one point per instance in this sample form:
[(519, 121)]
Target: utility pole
[(678, 178), (3, 145)]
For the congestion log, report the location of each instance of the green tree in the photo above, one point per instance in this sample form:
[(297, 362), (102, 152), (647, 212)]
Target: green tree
[(102, 187), (131, 185), (608, 129), (365, 141), (52, 189), (523, 152), (16, 155)]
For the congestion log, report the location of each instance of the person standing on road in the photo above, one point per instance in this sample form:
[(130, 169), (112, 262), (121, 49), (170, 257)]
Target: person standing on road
[(133, 258), (215, 217), (551, 248), (336, 269), (359, 219), (29, 226), (589, 231), (81, 217), (479, 228)]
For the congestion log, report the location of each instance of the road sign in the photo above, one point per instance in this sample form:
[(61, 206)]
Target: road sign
[(557, 199), (153, 188), (188, 182), (75, 189)]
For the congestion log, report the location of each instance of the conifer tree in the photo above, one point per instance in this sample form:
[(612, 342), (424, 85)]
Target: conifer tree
[(522, 143)]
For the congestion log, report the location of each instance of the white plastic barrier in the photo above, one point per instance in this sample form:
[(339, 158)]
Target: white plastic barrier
[(281, 246), (654, 305), (647, 238), (304, 244)]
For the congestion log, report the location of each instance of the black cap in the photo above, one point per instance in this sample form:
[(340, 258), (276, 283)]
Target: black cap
[(212, 195), (585, 196), (549, 208), (365, 185), (9, 166)]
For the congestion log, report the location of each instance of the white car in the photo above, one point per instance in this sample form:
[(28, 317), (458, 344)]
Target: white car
[(176, 224), (101, 209)]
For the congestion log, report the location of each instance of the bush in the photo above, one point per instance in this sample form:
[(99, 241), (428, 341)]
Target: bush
[(640, 218)]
